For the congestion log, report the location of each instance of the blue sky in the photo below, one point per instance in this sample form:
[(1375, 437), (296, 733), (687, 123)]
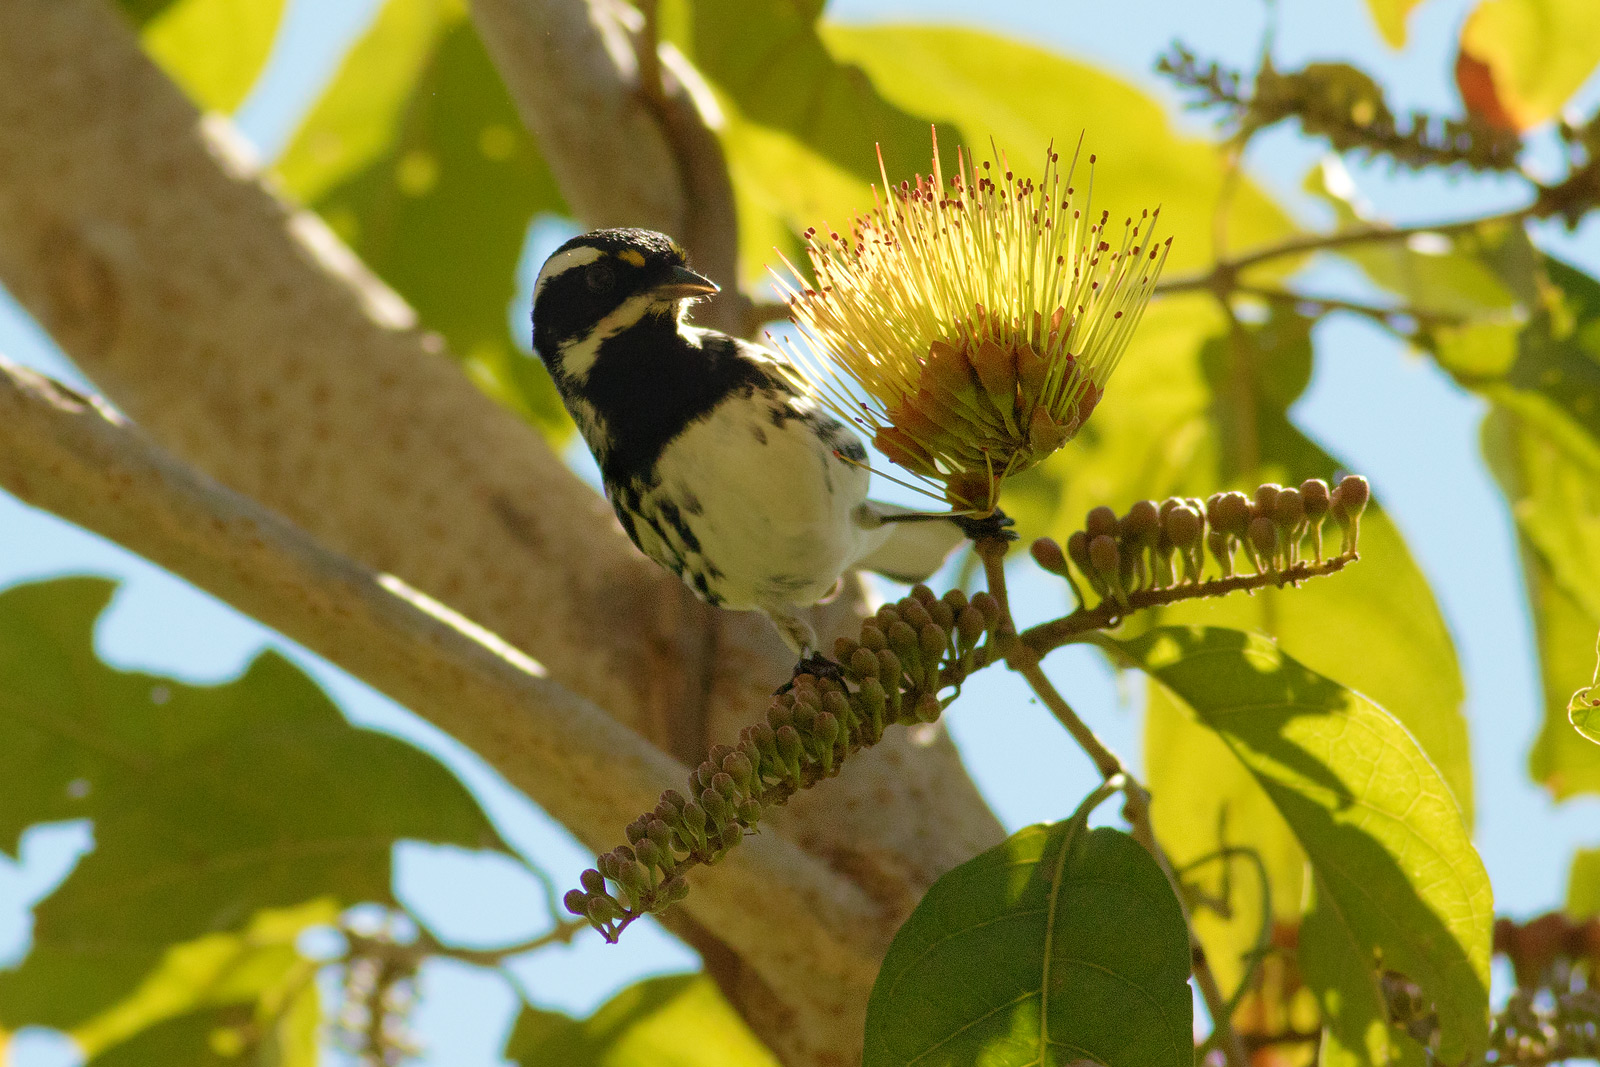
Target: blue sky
[(1366, 403)]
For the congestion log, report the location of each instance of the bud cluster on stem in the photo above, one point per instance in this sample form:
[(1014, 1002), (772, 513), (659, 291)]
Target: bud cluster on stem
[(906, 655), (1247, 540)]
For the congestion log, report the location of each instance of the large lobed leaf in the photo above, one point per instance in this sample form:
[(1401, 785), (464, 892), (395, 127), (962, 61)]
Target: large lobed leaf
[(415, 156), (1398, 880), (210, 804), (1058, 944)]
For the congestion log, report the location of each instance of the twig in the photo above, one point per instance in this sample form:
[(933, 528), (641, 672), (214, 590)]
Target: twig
[(1384, 316), (1223, 276), (563, 933), (1026, 661), (1107, 614)]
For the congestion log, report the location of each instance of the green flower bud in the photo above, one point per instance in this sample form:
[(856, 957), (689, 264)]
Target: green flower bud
[(864, 664), (740, 770), (928, 708), (792, 751), (923, 595), (577, 902), (731, 834), (873, 701), (723, 783), (957, 601), (673, 890), (635, 881), (661, 836), (914, 615), (694, 819), (650, 855), (623, 853), (969, 628), (844, 648), (1266, 497), (903, 639), (1317, 500), (824, 737), (805, 715), (891, 675), (636, 830), (944, 616), (779, 716), (1100, 522), (602, 909), (838, 705), (1264, 540), (1221, 546), (1182, 526), (592, 881), (1231, 513), (718, 811), (1107, 560), (1048, 555), (1289, 512), (933, 641), (750, 812), (610, 865), (1349, 501), (1142, 520), (872, 636), (717, 754), (676, 799), (990, 607)]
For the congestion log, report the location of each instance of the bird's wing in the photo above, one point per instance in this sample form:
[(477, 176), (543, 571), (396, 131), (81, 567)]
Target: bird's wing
[(905, 551)]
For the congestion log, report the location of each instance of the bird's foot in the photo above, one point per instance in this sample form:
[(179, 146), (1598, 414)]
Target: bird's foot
[(995, 524), (815, 664)]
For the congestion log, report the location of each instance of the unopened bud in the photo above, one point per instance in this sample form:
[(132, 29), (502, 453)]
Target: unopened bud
[(636, 830), (650, 855), (986, 603), (1314, 496), (602, 909), (928, 708), (804, 716), (1183, 526), (889, 671), (1100, 522), (872, 637), (844, 648), (723, 783), (944, 616), (661, 836), (838, 705), (577, 902), (969, 627), (1107, 561), (1264, 539), (672, 890), (675, 798), (610, 865), (825, 736), (914, 614), (1140, 523), (923, 594), (1289, 512), (779, 716), (1266, 498), (1221, 547), (716, 805), (933, 641), (903, 639), (739, 770), (1048, 555), (864, 663), (1230, 514), (873, 702), (694, 817), (1349, 501), (592, 881), (635, 880), (957, 601), (750, 812), (791, 750)]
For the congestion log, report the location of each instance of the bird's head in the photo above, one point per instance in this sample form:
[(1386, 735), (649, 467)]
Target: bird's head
[(602, 283)]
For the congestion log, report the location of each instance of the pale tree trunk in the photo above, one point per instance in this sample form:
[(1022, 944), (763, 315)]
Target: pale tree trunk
[(250, 345)]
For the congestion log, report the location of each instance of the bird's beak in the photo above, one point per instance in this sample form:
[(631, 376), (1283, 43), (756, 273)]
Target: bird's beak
[(683, 283)]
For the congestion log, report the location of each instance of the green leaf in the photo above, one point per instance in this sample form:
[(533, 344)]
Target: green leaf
[(677, 1021), (800, 141), (1539, 53), (210, 803), (1058, 944), (213, 49), (1379, 825), (1583, 708), (1355, 1016), (258, 968), (1583, 885), (1390, 15), (415, 156), (1542, 441), (1188, 413)]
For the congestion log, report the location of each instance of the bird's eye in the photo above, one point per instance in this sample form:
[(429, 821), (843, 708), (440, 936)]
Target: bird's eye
[(600, 277)]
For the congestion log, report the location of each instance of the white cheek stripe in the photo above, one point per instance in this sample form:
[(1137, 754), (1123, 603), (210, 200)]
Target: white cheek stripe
[(578, 356), (562, 262)]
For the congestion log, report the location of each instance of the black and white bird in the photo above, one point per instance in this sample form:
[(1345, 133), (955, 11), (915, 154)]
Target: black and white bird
[(721, 465)]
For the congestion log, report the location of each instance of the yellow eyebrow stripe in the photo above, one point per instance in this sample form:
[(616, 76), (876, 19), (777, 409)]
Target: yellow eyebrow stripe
[(632, 256)]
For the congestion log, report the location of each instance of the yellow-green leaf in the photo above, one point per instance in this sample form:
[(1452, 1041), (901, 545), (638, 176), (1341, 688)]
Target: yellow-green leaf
[(677, 1021), (1379, 825), (1583, 885), (1390, 15), (415, 156), (214, 49), (1538, 53)]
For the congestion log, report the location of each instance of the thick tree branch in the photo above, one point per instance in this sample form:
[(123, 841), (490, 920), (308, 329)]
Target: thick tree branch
[(247, 341), (74, 457)]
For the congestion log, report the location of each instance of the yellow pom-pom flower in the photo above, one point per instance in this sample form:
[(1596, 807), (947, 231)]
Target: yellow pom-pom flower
[(970, 327)]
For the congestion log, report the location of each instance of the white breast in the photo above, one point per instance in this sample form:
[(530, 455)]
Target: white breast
[(773, 509)]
